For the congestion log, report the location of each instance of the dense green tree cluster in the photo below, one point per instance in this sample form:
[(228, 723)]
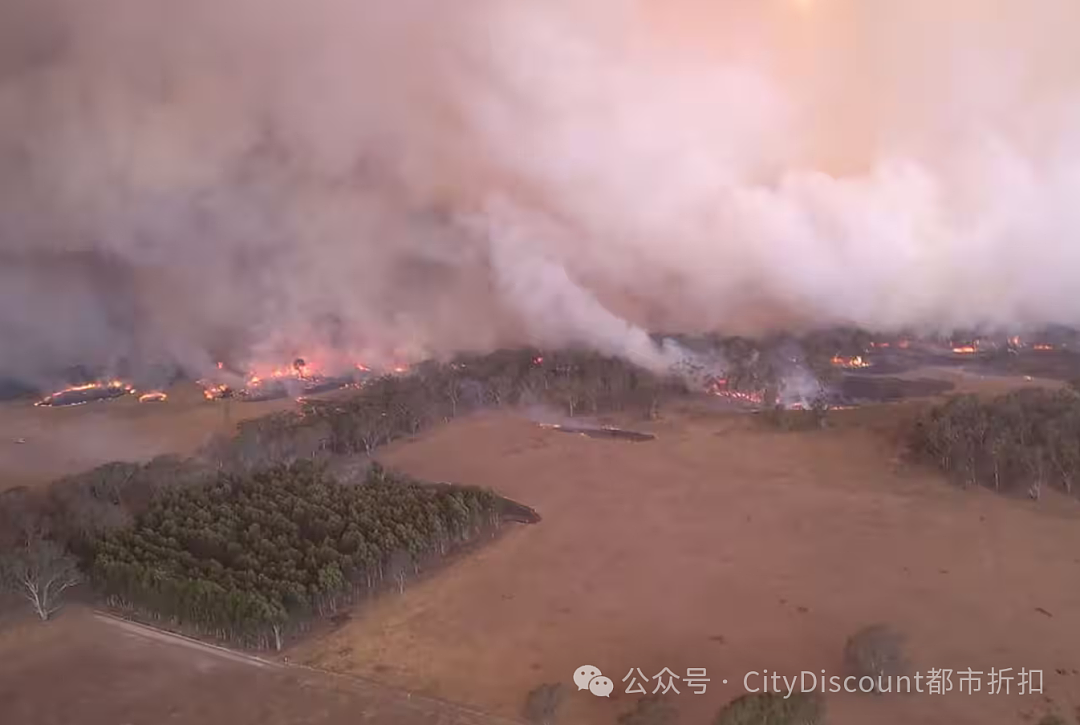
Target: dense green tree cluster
[(246, 557), (1020, 441)]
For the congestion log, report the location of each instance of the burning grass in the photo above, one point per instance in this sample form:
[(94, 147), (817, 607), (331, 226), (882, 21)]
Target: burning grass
[(81, 394), (296, 381), (853, 361)]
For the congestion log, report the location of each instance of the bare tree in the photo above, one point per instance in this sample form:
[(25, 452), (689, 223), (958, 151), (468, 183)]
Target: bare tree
[(41, 572), (452, 391), (499, 389), (567, 391)]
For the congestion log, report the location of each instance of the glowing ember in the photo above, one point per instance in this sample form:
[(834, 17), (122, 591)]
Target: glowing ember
[(964, 350), (845, 361), (154, 396)]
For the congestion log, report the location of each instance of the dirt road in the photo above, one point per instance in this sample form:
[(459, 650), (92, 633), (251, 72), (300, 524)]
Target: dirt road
[(95, 670)]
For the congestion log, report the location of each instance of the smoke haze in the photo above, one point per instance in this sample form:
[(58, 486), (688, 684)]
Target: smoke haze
[(385, 179)]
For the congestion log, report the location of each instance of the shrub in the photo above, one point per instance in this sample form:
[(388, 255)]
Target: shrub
[(650, 710), (874, 651), (542, 703), (769, 708), (1052, 719)]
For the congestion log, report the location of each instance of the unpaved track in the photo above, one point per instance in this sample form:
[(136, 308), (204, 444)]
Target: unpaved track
[(94, 669), (141, 630)]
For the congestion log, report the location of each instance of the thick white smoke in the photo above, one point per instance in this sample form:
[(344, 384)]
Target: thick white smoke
[(392, 178)]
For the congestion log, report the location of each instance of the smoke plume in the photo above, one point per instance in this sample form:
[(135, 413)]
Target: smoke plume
[(387, 179)]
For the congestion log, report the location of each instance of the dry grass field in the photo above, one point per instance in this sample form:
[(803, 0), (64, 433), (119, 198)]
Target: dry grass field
[(726, 546), (38, 445)]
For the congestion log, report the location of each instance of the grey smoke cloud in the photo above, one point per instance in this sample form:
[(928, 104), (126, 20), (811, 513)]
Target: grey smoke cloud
[(380, 180)]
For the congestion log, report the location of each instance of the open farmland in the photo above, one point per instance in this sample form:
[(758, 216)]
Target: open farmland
[(725, 546)]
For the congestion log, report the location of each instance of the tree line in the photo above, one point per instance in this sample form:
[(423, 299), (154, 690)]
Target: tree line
[(1022, 441), (389, 407), (576, 382)]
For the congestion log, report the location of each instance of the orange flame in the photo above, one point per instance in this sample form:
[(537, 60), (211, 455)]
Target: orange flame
[(964, 350), (154, 396), (845, 361), (110, 384), (212, 391), (1043, 347)]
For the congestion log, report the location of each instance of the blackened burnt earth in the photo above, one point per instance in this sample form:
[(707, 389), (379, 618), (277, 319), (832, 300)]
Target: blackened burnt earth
[(867, 389), (1052, 364), (608, 433), (79, 397)]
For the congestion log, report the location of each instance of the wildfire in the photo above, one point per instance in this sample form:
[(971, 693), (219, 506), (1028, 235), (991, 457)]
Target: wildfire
[(213, 391), (755, 398), (719, 388), (1042, 347), (299, 370), (538, 360), (1015, 341), (154, 396), (78, 394), (845, 361), (964, 350)]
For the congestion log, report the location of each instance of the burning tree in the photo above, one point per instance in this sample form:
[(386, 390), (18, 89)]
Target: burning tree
[(41, 572)]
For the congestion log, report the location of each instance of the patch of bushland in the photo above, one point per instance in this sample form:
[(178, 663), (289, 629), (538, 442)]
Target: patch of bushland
[(249, 558), (1018, 442)]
